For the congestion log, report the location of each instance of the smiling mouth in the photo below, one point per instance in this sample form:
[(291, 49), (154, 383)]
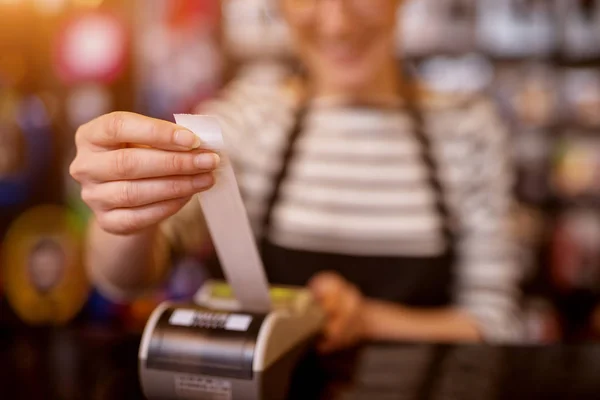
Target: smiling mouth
[(342, 53)]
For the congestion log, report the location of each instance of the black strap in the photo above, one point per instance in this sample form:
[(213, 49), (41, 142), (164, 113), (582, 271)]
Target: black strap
[(286, 157), (415, 113), (442, 206)]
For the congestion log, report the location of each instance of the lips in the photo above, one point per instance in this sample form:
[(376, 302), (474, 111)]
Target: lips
[(342, 53)]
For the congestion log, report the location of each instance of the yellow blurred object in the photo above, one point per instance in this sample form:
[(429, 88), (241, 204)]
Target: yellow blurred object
[(50, 7), (44, 277), (576, 173), (88, 3)]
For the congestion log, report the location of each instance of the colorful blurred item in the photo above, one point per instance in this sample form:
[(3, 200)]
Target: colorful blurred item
[(100, 311), (188, 276), (435, 26), (254, 30), (45, 281), (29, 139), (136, 314), (532, 153), (516, 28), (86, 102), (178, 60), (582, 96), (529, 227), (576, 172), (542, 322), (12, 148), (530, 93), (257, 43), (91, 47), (576, 251), (581, 28), (457, 76)]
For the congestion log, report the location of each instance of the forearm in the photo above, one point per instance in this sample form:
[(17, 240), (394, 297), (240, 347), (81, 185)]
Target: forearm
[(390, 322), (122, 266)]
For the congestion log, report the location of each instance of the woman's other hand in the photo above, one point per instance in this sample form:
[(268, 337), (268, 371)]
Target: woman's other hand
[(343, 305), (136, 171)]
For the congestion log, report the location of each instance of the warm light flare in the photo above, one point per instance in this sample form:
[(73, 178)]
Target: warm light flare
[(10, 2), (50, 7), (87, 3)]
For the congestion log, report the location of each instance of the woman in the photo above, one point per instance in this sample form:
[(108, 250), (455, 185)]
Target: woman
[(396, 219)]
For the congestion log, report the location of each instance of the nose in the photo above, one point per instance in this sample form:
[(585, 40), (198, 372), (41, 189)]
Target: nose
[(334, 17)]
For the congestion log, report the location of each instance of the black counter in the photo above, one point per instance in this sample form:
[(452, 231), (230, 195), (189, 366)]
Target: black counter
[(98, 364)]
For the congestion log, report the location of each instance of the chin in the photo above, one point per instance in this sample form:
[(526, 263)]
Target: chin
[(350, 81)]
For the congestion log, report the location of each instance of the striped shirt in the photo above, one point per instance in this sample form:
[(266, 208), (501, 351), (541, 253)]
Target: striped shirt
[(358, 185)]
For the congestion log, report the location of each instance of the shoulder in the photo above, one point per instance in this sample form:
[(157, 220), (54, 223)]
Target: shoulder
[(243, 99), (469, 117), (253, 117)]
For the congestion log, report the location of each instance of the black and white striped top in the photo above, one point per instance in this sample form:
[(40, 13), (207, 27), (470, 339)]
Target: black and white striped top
[(358, 185)]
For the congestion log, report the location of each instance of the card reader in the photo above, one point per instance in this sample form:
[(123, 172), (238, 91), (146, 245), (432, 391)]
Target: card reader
[(212, 349), (238, 340)]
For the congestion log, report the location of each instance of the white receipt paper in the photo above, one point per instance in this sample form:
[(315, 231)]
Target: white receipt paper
[(228, 222)]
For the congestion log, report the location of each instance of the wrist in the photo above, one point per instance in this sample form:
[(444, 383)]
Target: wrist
[(126, 263), (371, 319), (385, 321)]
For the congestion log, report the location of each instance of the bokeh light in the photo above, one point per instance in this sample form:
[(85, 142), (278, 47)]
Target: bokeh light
[(88, 3), (50, 7)]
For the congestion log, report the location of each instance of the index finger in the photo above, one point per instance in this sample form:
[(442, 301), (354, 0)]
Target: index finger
[(114, 130)]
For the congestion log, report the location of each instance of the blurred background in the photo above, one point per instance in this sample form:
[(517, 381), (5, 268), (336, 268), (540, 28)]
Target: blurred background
[(64, 62)]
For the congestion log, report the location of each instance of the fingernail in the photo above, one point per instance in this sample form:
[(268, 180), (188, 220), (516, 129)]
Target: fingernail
[(187, 139), (206, 161), (202, 181)]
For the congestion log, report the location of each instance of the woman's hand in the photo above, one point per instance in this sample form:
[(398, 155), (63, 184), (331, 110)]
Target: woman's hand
[(352, 318), (137, 171), (344, 307)]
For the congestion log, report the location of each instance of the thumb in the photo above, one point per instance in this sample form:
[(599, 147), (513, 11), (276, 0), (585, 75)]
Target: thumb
[(326, 284)]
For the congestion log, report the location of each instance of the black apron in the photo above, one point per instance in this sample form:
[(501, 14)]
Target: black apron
[(412, 281)]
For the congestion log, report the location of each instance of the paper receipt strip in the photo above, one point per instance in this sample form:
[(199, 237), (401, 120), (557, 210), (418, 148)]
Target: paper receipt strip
[(228, 223)]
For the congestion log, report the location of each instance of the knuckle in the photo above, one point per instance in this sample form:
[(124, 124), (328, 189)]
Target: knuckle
[(124, 163), (74, 170), (77, 170), (154, 131), (88, 195), (83, 134), (175, 162), (175, 188), (116, 123), (179, 188), (190, 187), (129, 195)]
